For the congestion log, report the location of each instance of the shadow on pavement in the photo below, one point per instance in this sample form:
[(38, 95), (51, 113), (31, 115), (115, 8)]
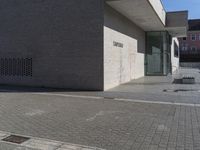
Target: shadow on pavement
[(22, 89)]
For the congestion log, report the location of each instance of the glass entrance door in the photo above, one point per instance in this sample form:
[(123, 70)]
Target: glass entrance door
[(154, 54), (157, 57)]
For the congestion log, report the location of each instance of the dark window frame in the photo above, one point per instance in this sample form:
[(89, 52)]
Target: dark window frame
[(193, 37), (184, 38), (176, 50)]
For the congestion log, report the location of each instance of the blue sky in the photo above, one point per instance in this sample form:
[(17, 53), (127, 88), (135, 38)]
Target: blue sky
[(192, 5)]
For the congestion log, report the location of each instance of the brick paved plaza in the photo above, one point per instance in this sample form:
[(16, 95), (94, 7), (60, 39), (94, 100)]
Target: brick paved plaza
[(104, 120)]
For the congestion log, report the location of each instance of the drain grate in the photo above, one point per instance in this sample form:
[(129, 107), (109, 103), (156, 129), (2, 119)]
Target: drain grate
[(15, 139)]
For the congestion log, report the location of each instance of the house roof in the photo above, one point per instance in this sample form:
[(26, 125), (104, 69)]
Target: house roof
[(194, 24)]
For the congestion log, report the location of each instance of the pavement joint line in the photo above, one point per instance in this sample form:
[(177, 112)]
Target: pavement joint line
[(120, 99), (34, 142), (158, 102), (68, 95)]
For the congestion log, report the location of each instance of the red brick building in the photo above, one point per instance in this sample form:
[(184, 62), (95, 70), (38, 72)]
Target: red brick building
[(190, 45)]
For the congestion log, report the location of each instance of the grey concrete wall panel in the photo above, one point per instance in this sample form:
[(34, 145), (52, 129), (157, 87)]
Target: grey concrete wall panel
[(64, 38), (177, 19), (174, 60), (177, 23), (124, 61), (117, 22)]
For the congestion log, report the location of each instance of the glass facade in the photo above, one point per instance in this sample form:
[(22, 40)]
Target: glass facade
[(158, 53)]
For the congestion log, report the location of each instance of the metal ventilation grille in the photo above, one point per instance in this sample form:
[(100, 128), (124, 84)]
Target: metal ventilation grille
[(16, 66)]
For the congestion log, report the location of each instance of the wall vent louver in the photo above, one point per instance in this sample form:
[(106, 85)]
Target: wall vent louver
[(16, 67)]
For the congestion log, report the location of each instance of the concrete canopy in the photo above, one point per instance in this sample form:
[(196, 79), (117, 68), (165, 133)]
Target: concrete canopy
[(177, 23), (150, 15)]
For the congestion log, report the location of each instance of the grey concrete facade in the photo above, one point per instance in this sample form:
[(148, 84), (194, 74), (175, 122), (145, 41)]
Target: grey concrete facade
[(64, 40), (69, 46), (121, 64), (174, 60), (74, 44)]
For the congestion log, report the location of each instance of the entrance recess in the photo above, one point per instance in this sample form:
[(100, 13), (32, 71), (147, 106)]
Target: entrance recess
[(158, 53)]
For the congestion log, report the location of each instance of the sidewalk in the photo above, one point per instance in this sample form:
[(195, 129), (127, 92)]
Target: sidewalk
[(135, 116), (154, 88)]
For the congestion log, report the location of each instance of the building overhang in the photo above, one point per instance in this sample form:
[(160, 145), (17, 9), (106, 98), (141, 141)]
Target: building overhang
[(150, 15), (177, 23)]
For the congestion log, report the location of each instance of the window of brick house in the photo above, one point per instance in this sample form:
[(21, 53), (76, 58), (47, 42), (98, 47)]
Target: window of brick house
[(184, 47), (176, 50), (193, 37), (193, 48), (184, 38)]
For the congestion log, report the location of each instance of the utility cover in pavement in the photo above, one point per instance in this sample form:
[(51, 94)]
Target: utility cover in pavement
[(15, 139)]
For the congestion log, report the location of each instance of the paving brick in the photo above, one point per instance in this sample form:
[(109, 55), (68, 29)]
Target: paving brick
[(107, 123)]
